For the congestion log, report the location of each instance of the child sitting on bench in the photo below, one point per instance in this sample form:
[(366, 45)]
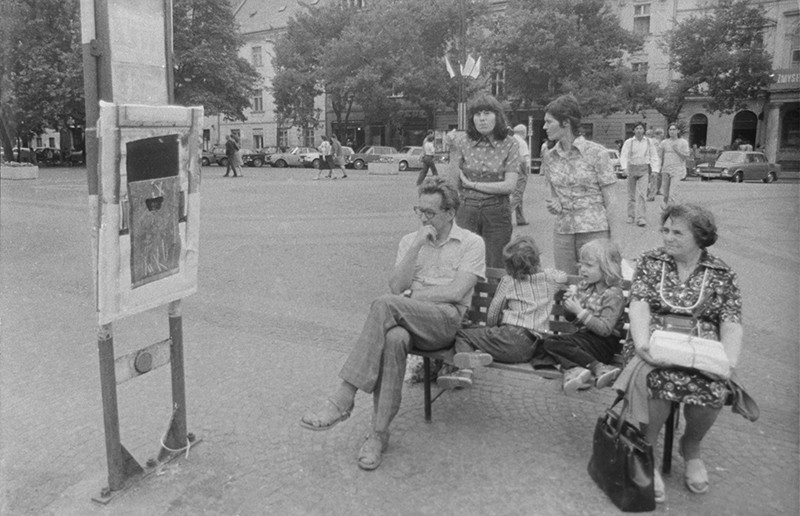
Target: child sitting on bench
[(596, 307), (517, 315)]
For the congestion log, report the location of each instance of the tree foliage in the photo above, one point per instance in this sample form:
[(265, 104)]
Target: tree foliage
[(721, 55), (386, 58), (209, 71), (549, 47), (41, 72)]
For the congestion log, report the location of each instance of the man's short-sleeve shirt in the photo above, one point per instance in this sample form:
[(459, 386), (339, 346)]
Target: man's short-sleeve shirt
[(463, 251)]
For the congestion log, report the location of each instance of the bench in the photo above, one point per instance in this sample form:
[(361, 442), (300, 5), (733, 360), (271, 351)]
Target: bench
[(557, 323)]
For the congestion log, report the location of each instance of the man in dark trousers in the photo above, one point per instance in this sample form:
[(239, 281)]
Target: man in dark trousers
[(230, 152)]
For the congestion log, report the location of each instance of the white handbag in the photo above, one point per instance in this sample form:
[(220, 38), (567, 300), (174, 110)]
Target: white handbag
[(672, 349), (681, 348)]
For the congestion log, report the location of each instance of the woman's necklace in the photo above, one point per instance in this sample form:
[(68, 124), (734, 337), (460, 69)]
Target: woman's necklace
[(675, 307)]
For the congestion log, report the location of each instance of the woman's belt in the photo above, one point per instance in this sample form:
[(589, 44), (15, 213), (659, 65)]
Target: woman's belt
[(485, 201)]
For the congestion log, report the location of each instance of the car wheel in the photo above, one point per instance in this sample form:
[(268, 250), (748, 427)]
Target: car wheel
[(703, 179), (738, 177), (771, 177), (223, 162), (315, 164), (205, 162), (358, 164), (280, 163), (258, 162), (403, 166)]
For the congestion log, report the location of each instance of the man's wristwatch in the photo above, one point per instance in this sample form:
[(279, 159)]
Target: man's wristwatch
[(407, 292)]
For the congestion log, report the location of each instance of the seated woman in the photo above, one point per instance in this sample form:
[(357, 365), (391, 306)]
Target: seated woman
[(681, 278), (516, 317), (596, 307)]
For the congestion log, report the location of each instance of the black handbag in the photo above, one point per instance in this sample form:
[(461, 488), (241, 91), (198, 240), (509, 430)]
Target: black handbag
[(622, 462)]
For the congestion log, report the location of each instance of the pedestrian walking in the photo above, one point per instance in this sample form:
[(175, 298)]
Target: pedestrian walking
[(674, 153), (520, 133), (338, 158), (428, 158), (638, 158), (324, 153), (231, 148)]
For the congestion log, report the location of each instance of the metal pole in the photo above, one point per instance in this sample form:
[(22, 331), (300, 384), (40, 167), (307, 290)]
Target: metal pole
[(178, 430)]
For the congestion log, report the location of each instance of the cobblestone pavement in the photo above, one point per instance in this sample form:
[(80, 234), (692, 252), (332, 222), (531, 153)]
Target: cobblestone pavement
[(288, 267)]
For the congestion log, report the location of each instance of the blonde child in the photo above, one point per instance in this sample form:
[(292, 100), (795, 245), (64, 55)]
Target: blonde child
[(596, 306), (517, 315)]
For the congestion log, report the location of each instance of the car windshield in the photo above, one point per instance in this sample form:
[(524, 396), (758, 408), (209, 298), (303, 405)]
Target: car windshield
[(405, 150), (732, 157)]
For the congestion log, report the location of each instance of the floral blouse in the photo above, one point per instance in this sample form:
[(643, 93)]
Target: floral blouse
[(485, 161), (577, 179), (722, 301)]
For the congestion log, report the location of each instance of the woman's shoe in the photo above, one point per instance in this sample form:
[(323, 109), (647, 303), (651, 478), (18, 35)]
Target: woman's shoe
[(696, 475), (370, 455), (658, 487)]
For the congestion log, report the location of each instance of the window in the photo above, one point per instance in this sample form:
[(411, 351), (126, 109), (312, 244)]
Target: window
[(257, 59), (641, 19), (499, 83), (52, 142), (629, 129), (587, 130), (38, 141), (308, 137), (258, 101), (206, 138), (640, 68), (790, 130), (258, 138), (283, 138)]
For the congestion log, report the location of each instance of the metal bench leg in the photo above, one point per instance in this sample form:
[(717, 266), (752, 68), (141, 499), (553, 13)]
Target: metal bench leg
[(426, 367), (669, 434)]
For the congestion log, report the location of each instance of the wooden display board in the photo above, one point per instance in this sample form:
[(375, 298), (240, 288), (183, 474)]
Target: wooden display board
[(149, 207)]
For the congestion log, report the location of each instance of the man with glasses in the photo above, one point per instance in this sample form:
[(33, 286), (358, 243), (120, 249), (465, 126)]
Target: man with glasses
[(431, 286)]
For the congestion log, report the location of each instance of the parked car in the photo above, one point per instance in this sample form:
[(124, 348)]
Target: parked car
[(368, 154), (21, 154), (48, 155), (738, 166), (252, 158), (613, 156), (215, 155), (701, 155), (293, 158), (313, 159), (410, 158)]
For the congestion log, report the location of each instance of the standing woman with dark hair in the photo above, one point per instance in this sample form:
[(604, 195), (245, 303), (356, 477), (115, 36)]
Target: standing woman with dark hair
[(489, 161), (580, 177)]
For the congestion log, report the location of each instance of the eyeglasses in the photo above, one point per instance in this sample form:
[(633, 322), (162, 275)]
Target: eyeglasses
[(428, 214)]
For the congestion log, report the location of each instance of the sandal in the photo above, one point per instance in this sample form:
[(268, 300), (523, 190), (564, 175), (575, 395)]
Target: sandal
[(695, 476), (370, 455), (314, 421)]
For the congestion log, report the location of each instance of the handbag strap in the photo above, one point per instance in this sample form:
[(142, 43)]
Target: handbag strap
[(623, 396)]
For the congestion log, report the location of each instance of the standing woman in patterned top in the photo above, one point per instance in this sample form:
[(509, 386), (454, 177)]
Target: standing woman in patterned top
[(489, 161), (580, 177)]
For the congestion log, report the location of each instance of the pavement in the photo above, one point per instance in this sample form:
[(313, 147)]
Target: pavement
[(288, 267)]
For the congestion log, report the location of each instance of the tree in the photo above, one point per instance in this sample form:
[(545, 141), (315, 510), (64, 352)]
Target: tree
[(209, 71), (387, 59), (721, 55), (549, 47), (41, 72)]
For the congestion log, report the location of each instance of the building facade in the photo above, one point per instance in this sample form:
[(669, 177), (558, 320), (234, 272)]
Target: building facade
[(770, 122)]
